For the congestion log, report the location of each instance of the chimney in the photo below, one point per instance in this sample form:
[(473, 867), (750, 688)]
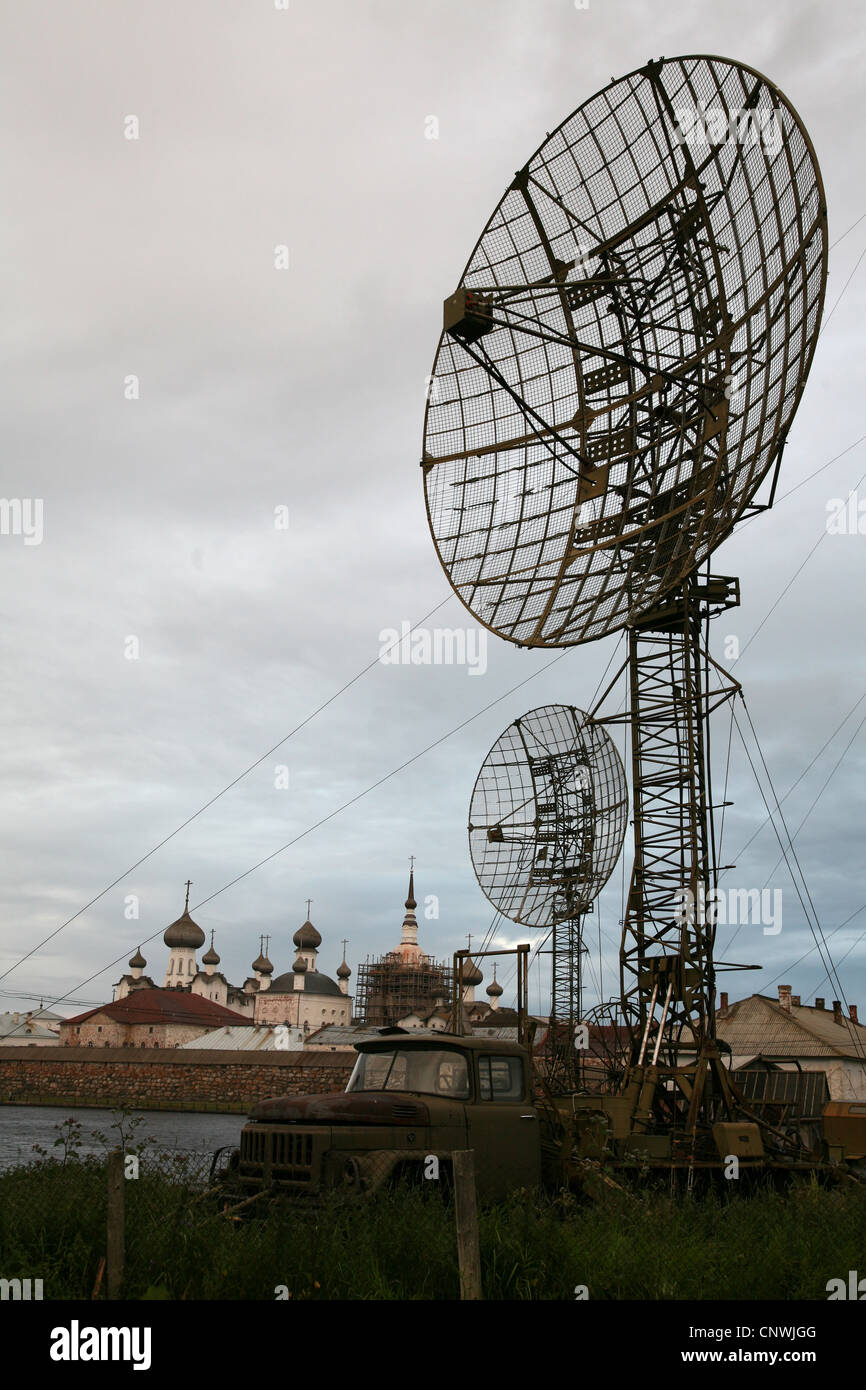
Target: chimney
[(819, 1003), (852, 1009), (795, 999), (724, 998), (837, 1011), (785, 997)]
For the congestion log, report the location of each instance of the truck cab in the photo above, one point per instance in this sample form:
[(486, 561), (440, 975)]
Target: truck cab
[(411, 1098)]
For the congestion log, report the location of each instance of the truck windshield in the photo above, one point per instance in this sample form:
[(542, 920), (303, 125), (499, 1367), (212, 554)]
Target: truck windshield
[(431, 1071)]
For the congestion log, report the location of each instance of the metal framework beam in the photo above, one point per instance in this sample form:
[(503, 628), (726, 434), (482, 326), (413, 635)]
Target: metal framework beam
[(667, 970), (563, 1062)]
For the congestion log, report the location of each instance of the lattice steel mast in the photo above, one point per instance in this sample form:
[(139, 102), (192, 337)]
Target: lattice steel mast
[(667, 967)]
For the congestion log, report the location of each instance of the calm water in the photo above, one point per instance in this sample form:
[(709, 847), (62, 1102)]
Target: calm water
[(22, 1126)]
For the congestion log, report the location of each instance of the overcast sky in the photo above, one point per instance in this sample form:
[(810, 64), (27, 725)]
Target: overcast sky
[(303, 388)]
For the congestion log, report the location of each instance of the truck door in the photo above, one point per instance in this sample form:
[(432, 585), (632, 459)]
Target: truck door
[(504, 1128)]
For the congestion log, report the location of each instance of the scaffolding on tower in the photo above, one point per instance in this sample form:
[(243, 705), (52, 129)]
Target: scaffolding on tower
[(390, 988)]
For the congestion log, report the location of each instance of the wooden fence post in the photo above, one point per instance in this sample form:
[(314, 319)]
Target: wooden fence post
[(115, 1234), (466, 1210)]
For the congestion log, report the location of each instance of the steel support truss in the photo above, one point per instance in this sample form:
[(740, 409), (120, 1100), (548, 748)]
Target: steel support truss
[(563, 1059), (565, 827), (666, 959)]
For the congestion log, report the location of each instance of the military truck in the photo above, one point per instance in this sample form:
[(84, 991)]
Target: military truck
[(414, 1099), (410, 1099)]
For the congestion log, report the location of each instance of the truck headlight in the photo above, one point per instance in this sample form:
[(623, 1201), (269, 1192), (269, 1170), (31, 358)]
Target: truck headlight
[(352, 1173)]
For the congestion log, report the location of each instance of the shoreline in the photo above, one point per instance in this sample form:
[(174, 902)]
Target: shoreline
[(73, 1102)]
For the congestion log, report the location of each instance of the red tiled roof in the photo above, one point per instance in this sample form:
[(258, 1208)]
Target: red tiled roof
[(164, 1006)]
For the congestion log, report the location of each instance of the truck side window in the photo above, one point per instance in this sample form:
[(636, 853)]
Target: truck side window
[(453, 1078), (500, 1078)]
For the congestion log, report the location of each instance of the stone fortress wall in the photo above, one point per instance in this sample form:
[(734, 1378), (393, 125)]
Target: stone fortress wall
[(164, 1079)]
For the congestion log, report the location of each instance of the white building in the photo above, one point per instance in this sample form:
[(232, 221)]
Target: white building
[(28, 1030), (184, 939), (245, 1037), (790, 1035), (304, 997)]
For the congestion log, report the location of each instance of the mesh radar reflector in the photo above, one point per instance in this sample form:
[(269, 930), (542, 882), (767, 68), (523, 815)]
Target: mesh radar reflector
[(627, 346), (548, 816)]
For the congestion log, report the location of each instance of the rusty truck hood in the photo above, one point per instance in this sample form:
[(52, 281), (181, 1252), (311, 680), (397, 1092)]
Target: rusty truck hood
[(366, 1108)]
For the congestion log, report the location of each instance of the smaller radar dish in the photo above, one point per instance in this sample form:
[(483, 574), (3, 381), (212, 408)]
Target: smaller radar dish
[(548, 816)]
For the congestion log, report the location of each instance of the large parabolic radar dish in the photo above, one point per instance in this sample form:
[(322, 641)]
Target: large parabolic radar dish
[(625, 351)]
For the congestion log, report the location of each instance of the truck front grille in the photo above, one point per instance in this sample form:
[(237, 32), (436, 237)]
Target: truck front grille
[(288, 1156)]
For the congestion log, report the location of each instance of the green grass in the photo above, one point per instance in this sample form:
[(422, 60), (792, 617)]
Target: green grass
[(718, 1246)]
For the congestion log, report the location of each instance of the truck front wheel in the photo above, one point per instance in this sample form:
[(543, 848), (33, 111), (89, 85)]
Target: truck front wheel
[(414, 1175)]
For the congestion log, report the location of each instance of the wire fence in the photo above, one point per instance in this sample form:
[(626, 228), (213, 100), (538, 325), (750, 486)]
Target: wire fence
[(143, 1222), (100, 1215)]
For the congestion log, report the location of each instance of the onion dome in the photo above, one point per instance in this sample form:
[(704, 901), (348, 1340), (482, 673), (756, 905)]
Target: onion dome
[(263, 965), (410, 901), (343, 971), (210, 956), (314, 983), (300, 966), (137, 962), (494, 989), (471, 974), (184, 932), (306, 938)]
